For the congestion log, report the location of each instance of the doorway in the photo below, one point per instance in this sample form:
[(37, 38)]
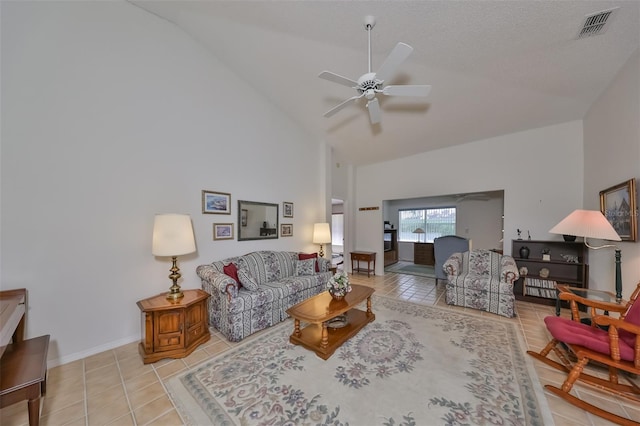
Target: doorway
[(337, 232)]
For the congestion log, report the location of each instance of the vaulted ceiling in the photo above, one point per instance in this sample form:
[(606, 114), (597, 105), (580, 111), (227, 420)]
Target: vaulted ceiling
[(495, 67)]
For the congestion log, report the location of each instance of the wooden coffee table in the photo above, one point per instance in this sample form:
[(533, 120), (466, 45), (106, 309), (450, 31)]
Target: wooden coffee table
[(319, 310)]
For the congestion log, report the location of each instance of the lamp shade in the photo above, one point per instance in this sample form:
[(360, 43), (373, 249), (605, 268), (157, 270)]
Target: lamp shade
[(419, 231), (172, 235), (588, 224), (321, 233)]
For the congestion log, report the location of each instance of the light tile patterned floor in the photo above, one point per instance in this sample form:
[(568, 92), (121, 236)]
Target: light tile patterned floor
[(116, 388)]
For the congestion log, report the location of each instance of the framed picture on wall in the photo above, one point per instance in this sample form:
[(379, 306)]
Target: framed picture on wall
[(287, 209), (286, 230), (619, 205), (223, 231), (216, 202)]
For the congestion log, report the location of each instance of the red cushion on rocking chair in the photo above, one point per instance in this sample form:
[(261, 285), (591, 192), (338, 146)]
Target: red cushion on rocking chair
[(632, 316), (576, 333)]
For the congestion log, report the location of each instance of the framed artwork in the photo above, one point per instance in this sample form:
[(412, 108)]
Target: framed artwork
[(618, 204), (286, 230), (223, 231), (287, 209), (216, 202), (243, 217)]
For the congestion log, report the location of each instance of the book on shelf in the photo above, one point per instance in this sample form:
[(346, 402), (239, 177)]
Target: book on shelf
[(540, 288), (547, 293), (539, 282)]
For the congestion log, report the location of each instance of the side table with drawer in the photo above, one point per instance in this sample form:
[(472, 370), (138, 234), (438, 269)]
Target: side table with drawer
[(363, 256)]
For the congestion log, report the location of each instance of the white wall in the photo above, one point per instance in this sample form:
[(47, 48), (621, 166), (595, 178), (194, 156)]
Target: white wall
[(111, 115), (540, 171), (612, 156)]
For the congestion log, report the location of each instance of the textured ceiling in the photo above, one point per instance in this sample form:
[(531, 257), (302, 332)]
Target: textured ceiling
[(495, 67)]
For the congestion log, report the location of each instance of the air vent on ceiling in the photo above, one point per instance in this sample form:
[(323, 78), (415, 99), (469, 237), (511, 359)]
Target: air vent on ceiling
[(597, 23)]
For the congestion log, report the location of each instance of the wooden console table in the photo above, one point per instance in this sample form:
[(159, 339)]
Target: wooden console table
[(364, 256)]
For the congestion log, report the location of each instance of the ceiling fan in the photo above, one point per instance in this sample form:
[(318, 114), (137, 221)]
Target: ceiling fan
[(372, 83)]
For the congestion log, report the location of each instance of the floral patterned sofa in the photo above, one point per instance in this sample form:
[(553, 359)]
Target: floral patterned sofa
[(252, 292), (482, 279)]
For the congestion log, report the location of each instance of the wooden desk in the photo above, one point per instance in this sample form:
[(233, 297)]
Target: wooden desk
[(23, 375), (365, 256), (12, 314)]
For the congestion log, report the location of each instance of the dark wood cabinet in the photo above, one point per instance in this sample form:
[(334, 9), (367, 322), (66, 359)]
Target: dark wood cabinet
[(268, 231), (423, 254), (565, 263), (173, 329), (390, 246)]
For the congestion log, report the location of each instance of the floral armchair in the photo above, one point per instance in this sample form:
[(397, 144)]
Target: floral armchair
[(482, 279)]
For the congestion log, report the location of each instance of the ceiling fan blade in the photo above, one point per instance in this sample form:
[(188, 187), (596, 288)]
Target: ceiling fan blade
[(374, 111), (407, 90), (328, 75), (393, 61), (340, 106)]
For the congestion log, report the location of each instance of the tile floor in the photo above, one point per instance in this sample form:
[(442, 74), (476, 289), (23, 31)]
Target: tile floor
[(115, 388)]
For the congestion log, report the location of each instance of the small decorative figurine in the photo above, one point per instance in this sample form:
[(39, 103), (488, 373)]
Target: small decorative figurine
[(569, 258), (519, 232), (528, 235)]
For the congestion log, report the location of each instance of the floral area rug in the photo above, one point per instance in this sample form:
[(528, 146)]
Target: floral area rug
[(414, 365)]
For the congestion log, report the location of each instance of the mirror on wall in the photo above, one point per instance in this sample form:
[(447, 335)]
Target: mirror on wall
[(257, 221)]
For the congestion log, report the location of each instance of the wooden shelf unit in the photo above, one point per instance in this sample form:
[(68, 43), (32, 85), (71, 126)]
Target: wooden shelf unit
[(561, 271)]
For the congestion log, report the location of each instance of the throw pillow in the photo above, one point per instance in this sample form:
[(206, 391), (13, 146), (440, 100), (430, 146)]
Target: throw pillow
[(304, 256), (247, 280), (306, 267), (232, 270)]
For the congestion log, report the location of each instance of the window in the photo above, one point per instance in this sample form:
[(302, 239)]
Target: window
[(434, 222)]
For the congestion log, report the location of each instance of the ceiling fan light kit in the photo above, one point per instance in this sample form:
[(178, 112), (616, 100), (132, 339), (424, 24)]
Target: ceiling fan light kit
[(370, 84)]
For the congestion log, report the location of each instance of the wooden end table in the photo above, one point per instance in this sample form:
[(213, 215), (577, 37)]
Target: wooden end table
[(606, 300), (173, 329), (319, 310)]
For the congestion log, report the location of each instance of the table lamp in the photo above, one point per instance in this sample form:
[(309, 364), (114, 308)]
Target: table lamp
[(321, 235), (173, 237), (592, 224), (419, 231)]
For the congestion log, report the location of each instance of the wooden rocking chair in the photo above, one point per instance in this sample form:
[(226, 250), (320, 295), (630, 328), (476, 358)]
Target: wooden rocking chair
[(609, 341)]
